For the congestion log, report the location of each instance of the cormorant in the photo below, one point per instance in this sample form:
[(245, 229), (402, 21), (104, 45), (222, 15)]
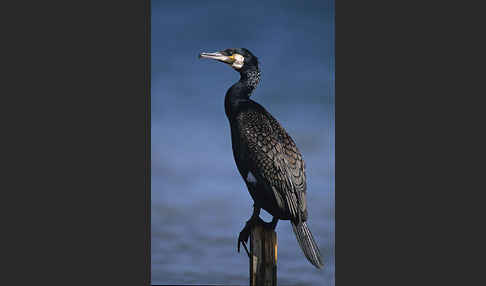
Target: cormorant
[(266, 156)]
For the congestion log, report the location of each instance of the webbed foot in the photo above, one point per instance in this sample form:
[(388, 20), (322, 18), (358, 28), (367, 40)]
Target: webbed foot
[(243, 237), (245, 232)]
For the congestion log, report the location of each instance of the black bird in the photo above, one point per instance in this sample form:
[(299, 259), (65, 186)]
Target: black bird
[(266, 156)]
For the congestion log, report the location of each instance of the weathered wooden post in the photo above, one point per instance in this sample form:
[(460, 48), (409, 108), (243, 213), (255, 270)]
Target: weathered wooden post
[(263, 256)]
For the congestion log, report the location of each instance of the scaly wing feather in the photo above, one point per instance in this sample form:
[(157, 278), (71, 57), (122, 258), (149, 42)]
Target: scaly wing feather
[(274, 157)]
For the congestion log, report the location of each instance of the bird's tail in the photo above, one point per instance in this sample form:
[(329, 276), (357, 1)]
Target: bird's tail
[(307, 244)]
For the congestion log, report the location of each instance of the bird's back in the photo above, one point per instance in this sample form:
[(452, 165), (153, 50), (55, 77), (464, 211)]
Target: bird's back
[(263, 147)]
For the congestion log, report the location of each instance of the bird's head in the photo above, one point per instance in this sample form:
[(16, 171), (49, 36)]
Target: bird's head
[(240, 59)]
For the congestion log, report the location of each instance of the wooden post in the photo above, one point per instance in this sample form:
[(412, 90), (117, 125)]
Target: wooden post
[(263, 257)]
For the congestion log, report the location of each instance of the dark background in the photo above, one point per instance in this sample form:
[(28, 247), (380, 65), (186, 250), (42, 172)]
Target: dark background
[(408, 90), (75, 191)]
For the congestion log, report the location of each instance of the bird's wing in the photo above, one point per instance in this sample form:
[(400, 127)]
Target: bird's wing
[(274, 157)]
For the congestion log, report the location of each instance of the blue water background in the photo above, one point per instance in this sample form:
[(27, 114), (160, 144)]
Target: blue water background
[(199, 201)]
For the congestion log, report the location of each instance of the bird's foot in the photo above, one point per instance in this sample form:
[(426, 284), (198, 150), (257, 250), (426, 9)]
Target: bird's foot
[(245, 232), (243, 237)]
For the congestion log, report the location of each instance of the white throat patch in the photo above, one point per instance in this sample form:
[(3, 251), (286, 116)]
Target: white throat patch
[(239, 61)]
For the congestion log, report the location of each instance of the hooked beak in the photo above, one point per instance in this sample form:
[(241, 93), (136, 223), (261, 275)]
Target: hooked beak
[(218, 56)]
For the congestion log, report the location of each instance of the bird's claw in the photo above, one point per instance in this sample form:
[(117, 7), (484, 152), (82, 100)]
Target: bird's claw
[(245, 233), (246, 249), (243, 238)]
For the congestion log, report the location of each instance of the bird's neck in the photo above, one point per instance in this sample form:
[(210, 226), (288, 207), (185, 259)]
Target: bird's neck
[(250, 78), (241, 91)]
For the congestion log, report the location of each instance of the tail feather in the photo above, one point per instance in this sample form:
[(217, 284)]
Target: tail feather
[(308, 244)]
